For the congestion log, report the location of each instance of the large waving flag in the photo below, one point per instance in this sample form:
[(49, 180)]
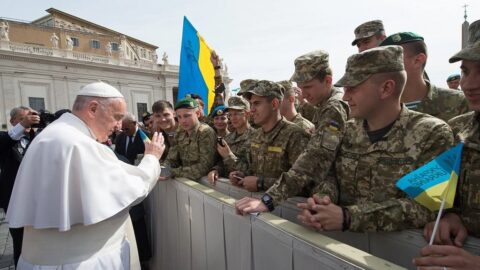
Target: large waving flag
[(196, 70), (435, 181)]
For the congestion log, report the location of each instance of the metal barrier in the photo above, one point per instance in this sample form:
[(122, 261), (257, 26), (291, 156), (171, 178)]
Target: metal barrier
[(196, 227)]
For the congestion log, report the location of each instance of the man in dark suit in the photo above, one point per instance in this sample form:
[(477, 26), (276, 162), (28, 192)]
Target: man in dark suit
[(129, 144), (13, 145)]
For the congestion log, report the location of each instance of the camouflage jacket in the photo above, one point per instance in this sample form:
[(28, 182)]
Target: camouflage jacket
[(441, 103), (467, 200), (307, 110), (274, 152), (366, 172), (314, 163), (193, 156), (169, 142), (303, 123), (239, 160)]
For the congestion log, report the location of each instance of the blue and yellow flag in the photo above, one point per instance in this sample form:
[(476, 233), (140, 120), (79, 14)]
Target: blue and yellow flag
[(434, 181), (143, 136), (196, 70)]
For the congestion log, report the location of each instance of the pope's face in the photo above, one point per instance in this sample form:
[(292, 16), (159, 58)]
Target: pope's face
[(108, 119)]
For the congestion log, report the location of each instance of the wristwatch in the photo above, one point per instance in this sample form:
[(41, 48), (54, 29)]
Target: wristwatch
[(268, 201)]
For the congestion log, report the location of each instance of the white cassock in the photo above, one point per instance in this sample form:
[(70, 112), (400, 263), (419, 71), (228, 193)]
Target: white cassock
[(72, 195)]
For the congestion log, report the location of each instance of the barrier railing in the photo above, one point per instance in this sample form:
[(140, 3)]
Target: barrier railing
[(196, 227)]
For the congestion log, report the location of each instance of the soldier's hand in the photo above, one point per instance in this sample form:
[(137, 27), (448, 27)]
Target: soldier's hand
[(212, 177), (249, 183), (325, 200), (215, 59), (155, 146), (446, 257), (449, 226), (249, 205), (224, 151), (330, 216), (30, 119), (235, 177), (307, 219)]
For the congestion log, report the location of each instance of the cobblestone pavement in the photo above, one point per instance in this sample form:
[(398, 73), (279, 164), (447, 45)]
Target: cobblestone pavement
[(6, 245)]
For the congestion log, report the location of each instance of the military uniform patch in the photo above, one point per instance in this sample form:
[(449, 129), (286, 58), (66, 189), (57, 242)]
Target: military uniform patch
[(275, 149), (330, 140)]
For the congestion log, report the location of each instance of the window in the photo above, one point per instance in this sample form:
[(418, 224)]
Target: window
[(76, 41), (144, 53), (95, 44), (114, 46), (141, 109), (36, 103)]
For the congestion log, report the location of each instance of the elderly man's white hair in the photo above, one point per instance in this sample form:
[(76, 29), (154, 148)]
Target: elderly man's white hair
[(129, 117)]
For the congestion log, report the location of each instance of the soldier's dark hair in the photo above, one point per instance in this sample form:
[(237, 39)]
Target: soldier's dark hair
[(161, 105), (415, 48), (323, 73)]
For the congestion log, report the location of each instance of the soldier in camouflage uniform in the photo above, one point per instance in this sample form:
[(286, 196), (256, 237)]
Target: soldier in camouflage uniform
[(194, 152), (276, 145), (383, 142), (288, 108), (420, 95), (306, 109), (369, 35), (313, 75), (236, 152), (163, 117), (465, 216)]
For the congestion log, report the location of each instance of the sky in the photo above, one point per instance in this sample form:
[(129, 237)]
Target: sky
[(260, 39)]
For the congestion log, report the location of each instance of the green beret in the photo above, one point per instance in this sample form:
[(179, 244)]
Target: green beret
[(401, 38), (186, 103)]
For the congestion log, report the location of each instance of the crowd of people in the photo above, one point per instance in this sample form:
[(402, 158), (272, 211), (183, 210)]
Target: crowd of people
[(342, 143)]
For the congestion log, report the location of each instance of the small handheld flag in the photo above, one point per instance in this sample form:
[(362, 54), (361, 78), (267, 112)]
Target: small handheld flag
[(435, 181), (434, 184), (143, 136), (196, 70)]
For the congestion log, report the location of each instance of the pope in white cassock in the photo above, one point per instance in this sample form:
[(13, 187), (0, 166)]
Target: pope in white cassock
[(72, 194)]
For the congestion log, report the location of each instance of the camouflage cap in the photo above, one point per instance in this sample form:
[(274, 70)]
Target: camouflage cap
[(309, 65), (238, 103), (377, 60), (219, 110), (367, 29), (472, 50), (245, 85), (401, 38), (453, 77), (186, 103), (266, 88), (288, 87)]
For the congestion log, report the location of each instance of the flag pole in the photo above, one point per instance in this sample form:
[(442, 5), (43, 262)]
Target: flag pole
[(439, 216)]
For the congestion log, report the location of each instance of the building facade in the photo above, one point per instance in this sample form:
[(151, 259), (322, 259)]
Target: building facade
[(44, 63)]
